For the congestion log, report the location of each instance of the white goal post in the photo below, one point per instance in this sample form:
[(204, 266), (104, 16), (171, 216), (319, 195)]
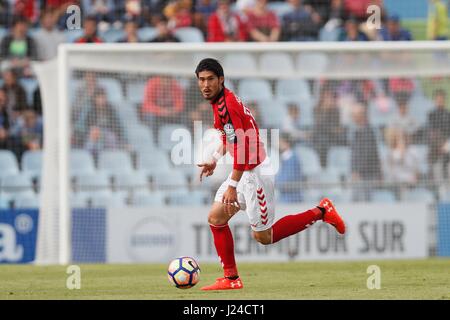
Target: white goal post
[(309, 61)]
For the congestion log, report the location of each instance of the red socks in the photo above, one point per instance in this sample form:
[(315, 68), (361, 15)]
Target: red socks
[(292, 224), (223, 240)]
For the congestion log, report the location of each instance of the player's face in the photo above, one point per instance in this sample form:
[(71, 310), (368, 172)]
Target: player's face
[(210, 85)]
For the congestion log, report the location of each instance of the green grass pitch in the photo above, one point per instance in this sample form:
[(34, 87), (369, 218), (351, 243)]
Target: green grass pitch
[(407, 279)]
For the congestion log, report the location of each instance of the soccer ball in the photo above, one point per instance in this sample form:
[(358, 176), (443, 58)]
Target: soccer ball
[(183, 272)]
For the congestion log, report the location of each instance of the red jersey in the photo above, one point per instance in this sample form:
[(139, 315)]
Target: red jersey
[(240, 133)]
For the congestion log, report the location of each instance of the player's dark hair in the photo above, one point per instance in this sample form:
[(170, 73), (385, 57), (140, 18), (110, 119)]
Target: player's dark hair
[(210, 64)]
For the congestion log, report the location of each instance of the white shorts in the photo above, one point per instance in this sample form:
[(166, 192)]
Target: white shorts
[(256, 195)]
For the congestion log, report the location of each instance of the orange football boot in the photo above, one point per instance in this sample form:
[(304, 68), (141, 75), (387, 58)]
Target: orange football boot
[(225, 284), (331, 216)]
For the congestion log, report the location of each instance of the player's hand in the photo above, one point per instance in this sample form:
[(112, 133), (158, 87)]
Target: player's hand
[(207, 169), (230, 201)]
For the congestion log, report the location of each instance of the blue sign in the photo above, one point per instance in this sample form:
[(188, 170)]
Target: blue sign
[(18, 231), (443, 229)]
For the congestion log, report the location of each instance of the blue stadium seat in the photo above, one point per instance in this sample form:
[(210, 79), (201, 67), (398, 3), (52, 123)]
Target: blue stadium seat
[(310, 161), (127, 113), (81, 162), (339, 160), (112, 35), (329, 35), (72, 35), (271, 62), (115, 161), (29, 85), (3, 32), (382, 196), (4, 201), (147, 34), (280, 8), (79, 199), (139, 135), (421, 151), (419, 107), (419, 195), (26, 201), (126, 181), (156, 161), (189, 34), (145, 199), (273, 113), (108, 199), (255, 90), (312, 62), (165, 135), (135, 92), (306, 112), (180, 198), (8, 163), (312, 195), (113, 89), (240, 61), (32, 162), (173, 180), (293, 90), (92, 181), (16, 183)]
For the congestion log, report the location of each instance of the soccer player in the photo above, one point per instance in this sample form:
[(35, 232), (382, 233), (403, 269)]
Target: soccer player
[(250, 186)]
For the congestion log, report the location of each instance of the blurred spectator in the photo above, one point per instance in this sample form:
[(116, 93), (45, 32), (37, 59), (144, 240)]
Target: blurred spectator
[(102, 125), (102, 10), (333, 15), (301, 23), (135, 10), (393, 31), (90, 32), (401, 88), (327, 129), (15, 95), (163, 101), (179, 13), (4, 120), (403, 120), (28, 9), (351, 32), (60, 9), (6, 13), (290, 173), (358, 8), (438, 133), (19, 48), (164, 34), (203, 11), (130, 28), (430, 85), (27, 133), (437, 27), (37, 101), (83, 103), (48, 37), (402, 162), (225, 25), (263, 24), (365, 162), (292, 126)]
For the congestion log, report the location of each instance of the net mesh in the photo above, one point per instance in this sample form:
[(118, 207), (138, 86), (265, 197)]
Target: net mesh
[(356, 126)]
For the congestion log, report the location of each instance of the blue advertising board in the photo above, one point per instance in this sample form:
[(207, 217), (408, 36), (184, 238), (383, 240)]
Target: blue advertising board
[(443, 230), (18, 231)]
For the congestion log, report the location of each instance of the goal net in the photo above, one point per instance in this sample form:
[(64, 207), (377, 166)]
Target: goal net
[(126, 124)]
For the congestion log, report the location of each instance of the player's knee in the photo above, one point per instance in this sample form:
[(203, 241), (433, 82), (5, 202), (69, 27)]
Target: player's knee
[(216, 220), (264, 238)]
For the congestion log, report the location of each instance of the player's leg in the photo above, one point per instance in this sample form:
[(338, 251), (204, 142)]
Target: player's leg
[(218, 219), (292, 224)]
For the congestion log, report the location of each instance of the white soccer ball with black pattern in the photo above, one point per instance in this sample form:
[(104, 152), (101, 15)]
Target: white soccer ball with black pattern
[(183, 272)]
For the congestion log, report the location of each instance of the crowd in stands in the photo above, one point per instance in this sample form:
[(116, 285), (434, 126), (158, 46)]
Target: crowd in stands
[(32, 30)]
